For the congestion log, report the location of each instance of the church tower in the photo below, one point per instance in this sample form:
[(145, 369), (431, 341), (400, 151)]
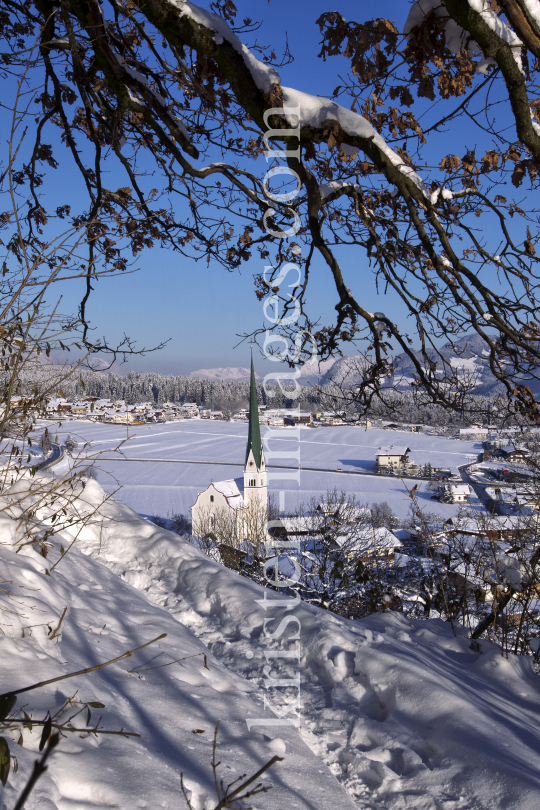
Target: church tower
[(255, 485)]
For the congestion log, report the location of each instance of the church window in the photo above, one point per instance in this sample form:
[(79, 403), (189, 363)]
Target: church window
[(211, 499), (252, 482)]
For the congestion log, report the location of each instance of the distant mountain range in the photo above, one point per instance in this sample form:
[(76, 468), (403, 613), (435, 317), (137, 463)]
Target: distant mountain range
[(469, 355), (314, 372), (228, 373), (310, 373)]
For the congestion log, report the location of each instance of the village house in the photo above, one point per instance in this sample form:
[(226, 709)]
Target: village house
[(273, 417), (332, 417), (297, 419), (491, 528), (345, 528), (190, 408), (513, 453), (504, 500), (471, 433), (80, 409), (527, 502), (456, 493), (393, 457), (127, 417)]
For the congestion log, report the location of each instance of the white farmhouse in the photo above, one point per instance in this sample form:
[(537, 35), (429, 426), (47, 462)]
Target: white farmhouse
[(225, 496), (393, 456), (457, 493)]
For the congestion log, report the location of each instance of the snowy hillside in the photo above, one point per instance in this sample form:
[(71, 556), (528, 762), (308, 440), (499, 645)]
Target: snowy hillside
[(392, 714), (173, 706), (468, 356), (311, 373)]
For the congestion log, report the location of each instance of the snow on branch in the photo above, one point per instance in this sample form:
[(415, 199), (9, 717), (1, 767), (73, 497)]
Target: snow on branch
[(326, 189), (314, 110), (457, 38), (263, 75), (533, 7)]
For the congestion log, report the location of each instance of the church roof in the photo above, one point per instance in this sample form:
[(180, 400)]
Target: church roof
[(228, 488), (254, 429)]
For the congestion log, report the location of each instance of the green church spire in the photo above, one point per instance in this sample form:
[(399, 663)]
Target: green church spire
[(254, 430)]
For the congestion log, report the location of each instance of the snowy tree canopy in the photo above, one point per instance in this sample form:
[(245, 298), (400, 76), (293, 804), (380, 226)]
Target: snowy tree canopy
[(170, 96)]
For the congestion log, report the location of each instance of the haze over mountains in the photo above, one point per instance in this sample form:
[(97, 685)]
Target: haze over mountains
[(90, 363), (469, 355)]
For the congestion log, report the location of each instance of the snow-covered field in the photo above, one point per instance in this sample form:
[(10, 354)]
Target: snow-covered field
[(161, 488), (393, 714)]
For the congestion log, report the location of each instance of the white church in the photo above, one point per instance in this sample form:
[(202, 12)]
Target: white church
[(222, 496)]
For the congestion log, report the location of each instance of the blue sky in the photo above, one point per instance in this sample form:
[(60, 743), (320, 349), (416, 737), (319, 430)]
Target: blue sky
[(201, 308)]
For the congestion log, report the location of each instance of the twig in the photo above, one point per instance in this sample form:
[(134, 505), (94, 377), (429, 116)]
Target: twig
[(61, 727), (430, 550), (53, 635), (39, 768), (224, 802), (176, 661), (186, 797), (224, 797), (82, 671)]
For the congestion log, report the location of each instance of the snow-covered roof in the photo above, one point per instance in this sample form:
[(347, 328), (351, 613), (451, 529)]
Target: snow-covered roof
[(394, 450), (296, 525), (228, 488), (493, 523), (460, 489), (369, 538)]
